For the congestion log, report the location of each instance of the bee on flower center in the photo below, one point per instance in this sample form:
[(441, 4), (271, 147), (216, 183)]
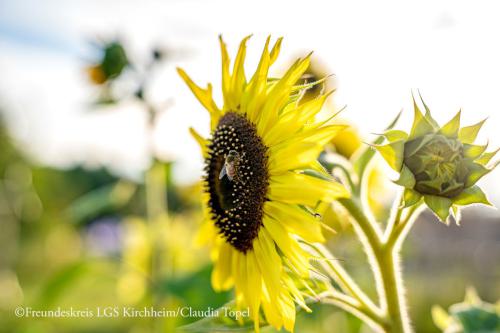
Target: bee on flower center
[(231, 166)]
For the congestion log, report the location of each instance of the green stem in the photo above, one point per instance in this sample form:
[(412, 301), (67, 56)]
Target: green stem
[(398, 320), (367, 228), (395, 218), (390, 270), (352, 306), (156, 198), (383, 255), (369, 234), (333, 268)]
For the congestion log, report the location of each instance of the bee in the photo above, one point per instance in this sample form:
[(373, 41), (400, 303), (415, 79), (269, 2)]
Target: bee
[(230, 167)]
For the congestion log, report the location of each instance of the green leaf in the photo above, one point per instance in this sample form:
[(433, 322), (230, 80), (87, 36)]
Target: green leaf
[(474, 151), (393, 153), (427, 112), (486, 157), (406, 178), (362, 158), (421, 125), (470, 316), (469, 133), (439, 205), (411, 197), (394, 135), (59, 282), (476, 318), (476, 172), (451, 128), (100, 200), (471, 195)]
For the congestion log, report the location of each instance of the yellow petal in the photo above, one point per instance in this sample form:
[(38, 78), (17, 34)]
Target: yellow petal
[(303, 189), (290, 122), (288, 312), (279, 95), (204, 96), (271, 310), (222, 272), (240, 278), (296, 220), (300, 150), (295, 292), (255, 92), (201, 141), (288, 245), (269, 262), (275, 51), (226, 90), (238, 79), (254, 287)]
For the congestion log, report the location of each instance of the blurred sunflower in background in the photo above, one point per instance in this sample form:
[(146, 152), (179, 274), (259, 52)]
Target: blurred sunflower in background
[(262, 181), (111, 64)]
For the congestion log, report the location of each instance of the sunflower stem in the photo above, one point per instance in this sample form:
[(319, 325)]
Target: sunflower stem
[(338, 274), (395, 217), (352, 306), (367, 228), (390, 268), (383, 256)]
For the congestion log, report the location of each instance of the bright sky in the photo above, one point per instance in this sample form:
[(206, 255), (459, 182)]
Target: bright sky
[(378, 50)]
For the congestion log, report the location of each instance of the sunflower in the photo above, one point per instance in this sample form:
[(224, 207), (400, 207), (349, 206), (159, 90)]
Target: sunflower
[(439, 164), (262, 181)]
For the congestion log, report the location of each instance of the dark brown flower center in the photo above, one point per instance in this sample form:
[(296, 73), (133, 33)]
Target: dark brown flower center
[(237, 180)]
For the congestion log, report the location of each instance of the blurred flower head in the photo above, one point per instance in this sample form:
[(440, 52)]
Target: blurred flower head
[(111, 64)]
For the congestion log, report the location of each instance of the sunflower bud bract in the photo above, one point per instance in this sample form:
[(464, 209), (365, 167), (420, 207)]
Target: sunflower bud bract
[(439, 164)]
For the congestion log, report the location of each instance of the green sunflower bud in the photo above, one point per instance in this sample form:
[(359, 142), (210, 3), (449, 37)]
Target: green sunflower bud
[(439, 164)]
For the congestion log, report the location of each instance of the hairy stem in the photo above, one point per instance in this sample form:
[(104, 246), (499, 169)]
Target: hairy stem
[(338, 274), (352, 306), (383, 255), (390, 268), (398, 320), (370, 235)]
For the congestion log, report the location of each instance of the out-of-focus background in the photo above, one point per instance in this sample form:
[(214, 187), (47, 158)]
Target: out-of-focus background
[(96, 159)]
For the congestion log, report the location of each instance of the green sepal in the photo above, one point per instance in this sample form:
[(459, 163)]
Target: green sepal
[(439, 205), (362, 157), (452, 127), (471, 195), (486, 157), (469, 133), (476, 172), (421, 125), (395, 135), (410, 197), (393, 153), (474, 151), (428, 115), (406, 178)]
